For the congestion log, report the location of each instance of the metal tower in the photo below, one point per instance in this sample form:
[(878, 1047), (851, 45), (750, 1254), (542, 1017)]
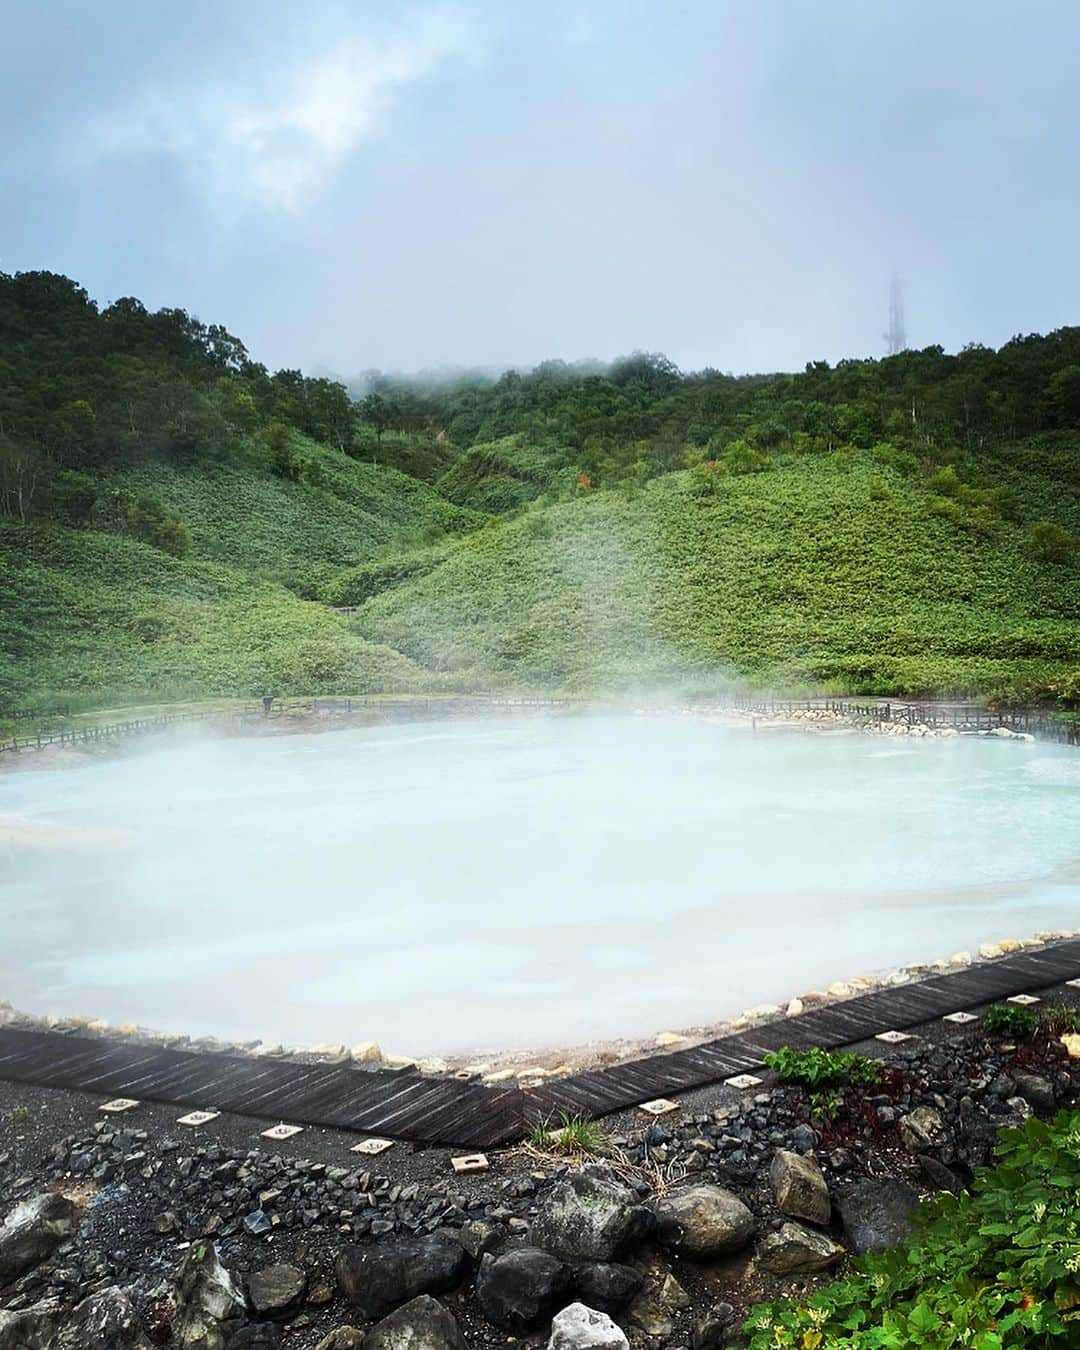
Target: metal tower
[(896, 338)]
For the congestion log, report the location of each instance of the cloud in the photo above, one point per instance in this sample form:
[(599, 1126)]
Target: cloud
[(272, 142)]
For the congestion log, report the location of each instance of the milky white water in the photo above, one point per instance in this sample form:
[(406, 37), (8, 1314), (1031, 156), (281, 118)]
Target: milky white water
[(457, 886)]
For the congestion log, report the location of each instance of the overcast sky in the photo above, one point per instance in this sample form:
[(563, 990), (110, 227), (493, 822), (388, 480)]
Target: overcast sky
[(406, 185)]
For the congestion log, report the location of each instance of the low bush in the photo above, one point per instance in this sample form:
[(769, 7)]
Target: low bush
[(1009, 1019), (995, 1269), (816, 1068)]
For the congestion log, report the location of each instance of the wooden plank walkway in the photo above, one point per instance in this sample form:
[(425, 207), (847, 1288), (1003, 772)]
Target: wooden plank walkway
[(408, 1105)]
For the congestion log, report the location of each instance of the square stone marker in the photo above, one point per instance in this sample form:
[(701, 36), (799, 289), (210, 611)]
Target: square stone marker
[(660, 1107), (893, 1037), (194, 1118), (470, 1162), (282, 1131), (743, 1081), (1024, 999), (118, 1104), (960, 1018), (372, 1146)]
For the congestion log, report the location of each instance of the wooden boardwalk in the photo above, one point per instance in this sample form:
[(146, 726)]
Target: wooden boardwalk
[(408, 1105)]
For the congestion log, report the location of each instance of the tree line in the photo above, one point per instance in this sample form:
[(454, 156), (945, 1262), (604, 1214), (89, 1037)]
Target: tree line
[(84, 388)]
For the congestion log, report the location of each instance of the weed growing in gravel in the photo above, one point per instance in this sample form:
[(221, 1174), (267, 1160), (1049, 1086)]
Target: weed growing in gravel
[(20, 1114), (1009, 1019), (1062, 1019), (573, 1134)]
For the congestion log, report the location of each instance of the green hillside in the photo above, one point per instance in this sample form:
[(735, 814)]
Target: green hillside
[(103, 620), (338, 512), (811, 574), (177, 522)]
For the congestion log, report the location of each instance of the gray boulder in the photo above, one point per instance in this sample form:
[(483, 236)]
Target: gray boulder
[(275, 1289), (795, 1250), (106, 1320), (257, 1336), (703, 1221), (1037, 1091), (422, 1324), (713, 1329), (649, 1315), (877, 1213), (523, 1288), (342, 1338), (580, 1328), (937, 1176), (210, 1306), (378, 1279), (32, 1231), (923, 1128), (28, 1329), (606, 1286), (799, 1186), (590, 1217), (479, 1236)]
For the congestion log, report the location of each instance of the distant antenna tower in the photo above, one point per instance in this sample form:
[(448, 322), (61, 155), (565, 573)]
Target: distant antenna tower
[(896, 337)]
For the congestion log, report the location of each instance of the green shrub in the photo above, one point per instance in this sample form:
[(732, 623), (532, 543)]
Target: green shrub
[(821, 1068), (1051, 543), (741, 457), (1010, 1019), (990, 1270)]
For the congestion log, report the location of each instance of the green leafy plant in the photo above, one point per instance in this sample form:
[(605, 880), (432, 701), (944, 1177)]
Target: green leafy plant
[(990, 1270), (816, 1067), (1010, 1019), (20, 1114), (826, 1105)]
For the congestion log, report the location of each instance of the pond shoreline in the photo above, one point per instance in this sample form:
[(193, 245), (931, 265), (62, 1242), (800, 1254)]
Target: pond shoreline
[(532, 1067)]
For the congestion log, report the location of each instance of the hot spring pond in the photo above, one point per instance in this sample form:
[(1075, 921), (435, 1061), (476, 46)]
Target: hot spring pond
[(459, 886)]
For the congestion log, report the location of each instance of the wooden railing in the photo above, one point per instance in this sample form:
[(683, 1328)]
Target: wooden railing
[(73, 736), (965, 718), (1044, 724)]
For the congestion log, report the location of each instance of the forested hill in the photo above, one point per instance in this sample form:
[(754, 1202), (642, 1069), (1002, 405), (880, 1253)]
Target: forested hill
[(175, 520)]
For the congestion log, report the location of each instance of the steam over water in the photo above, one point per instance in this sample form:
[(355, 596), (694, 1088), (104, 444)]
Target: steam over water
[(459, 886)]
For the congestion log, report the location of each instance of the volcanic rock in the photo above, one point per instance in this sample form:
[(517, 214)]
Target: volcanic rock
[(422, 1324), (1037, 1091), (703, 1221), (106, 1321), (580, 1328), (275, 1289), (28, 1329), (257, 1336), (923, 1128), (712, 1331), (479, 1236), (606, 1286), (590, 1217), (209, 1306), (938, 1176), (877, 1213), (342, 1338), (32, 1231), (378, 1279), (799, 1187), (796, 1250), (650, 1315), (521, 1289)]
